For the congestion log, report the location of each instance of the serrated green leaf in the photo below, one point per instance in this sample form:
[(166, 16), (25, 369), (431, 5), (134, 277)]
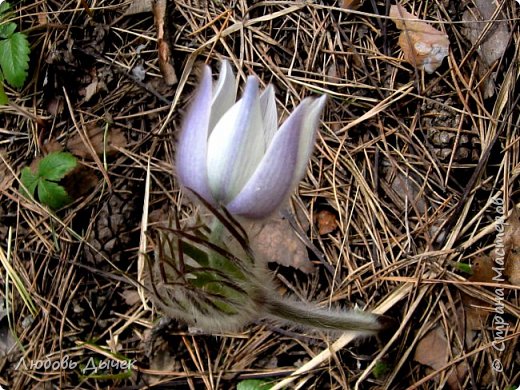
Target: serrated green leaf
[(4, 7), (52, 194), (254, 384), (7, 29), (29, 180), (14, 59), (56, 165)]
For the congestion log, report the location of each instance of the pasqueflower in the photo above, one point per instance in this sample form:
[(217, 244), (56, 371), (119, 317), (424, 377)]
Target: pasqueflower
[(232, 153)]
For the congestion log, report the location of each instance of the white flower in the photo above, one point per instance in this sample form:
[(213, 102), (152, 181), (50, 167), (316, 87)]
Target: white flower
[(232, 153)]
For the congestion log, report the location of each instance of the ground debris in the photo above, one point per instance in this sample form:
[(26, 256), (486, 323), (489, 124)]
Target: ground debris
[(98, 140), (491, 39), (434, 351), (423, 46)]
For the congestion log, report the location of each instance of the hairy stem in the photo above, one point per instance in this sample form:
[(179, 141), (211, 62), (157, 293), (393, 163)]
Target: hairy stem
[(348, 320)]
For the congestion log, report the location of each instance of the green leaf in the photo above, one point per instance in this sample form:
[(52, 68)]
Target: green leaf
[(4, 7), (254, 384), (380, 370), (51, 169), (52, 194), (29, 180), (195, 253), (464, 267), (14, 59), (3, 97), (6, 30), (56, 165)]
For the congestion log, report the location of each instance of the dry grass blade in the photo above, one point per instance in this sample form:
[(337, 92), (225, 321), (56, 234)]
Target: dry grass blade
[(10, 273)]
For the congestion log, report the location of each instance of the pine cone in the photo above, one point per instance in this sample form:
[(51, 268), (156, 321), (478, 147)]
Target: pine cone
[(441, 126), (112, 231)]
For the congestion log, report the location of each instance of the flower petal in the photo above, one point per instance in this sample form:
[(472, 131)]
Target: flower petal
[(269, 114), (308, 136), (273, 181), (193, 141), (235, 146), (225, 94)]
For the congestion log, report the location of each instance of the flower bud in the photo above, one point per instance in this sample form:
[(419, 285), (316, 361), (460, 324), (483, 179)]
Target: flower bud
[(233, 154)]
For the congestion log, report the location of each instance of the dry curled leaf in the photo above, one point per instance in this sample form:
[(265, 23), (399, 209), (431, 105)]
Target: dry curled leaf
[(326, 222), (102, 142), (423, 46)]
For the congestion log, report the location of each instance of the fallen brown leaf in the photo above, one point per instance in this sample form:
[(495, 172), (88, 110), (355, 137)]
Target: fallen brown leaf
[(476, 311), (131, 296), (161, 355), (513, 267), (434, 351), (492, 45), (482, 269), (405, 190), (351, 4), (276, 241), (90, 90), (423, 46), (512, 247), (81, 181), (51, 146), (114, 139)]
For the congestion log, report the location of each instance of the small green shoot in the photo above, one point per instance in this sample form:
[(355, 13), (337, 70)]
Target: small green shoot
[(380, 370), (254, 384), (463, 267), (50, 170), (14, 54)]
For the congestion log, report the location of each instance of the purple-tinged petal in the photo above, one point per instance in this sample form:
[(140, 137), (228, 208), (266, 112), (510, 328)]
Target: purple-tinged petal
[(308, 136), (273, 180), (193, 141), (269, 114), (225, 94), (235, 147)]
